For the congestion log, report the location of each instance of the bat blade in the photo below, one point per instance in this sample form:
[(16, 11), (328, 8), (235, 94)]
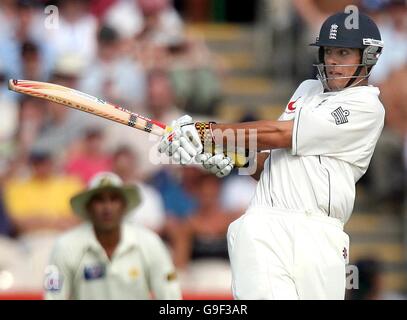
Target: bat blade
[(81, 101), (84, 102)]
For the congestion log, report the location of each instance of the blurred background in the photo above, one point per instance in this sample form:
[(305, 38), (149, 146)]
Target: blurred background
[(223, 60)]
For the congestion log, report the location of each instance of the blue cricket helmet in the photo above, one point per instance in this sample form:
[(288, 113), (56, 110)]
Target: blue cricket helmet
[(350, 30)]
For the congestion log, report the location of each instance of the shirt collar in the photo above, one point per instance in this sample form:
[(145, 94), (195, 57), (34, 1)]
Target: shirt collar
[(373, 89), (127, 242)]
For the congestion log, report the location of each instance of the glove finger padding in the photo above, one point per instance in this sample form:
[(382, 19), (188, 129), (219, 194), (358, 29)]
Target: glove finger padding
[(224, 163), (164, 144), (185, 158), (226, 171), (203, 157), (186, 145), (214, 162), (218, 164), (216, 159), (176, 157), (172, 148)]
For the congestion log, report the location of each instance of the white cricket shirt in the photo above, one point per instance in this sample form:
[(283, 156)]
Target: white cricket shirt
[(333, 140), (80, 269)]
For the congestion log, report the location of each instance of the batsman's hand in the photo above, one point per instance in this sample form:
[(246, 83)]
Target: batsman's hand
[(182, 142), (219, 164)]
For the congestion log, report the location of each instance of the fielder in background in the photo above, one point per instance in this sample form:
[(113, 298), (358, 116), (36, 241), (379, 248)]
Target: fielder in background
[(290, 243), (106, 258)]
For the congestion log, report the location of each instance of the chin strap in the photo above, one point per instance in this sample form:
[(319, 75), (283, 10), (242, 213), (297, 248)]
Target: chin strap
[(352, 80), (355, 75)]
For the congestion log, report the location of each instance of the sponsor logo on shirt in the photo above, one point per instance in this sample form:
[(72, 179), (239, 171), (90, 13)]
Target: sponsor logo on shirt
[(53, 279), (94, 272), (171, 276), (340, 115), (134, 273), (290, 107)]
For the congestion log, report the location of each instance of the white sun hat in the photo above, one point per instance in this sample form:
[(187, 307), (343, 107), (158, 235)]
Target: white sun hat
[(105, 181)]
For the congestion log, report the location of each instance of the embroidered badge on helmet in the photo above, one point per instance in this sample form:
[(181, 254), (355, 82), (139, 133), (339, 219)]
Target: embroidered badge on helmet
[(333, 32)]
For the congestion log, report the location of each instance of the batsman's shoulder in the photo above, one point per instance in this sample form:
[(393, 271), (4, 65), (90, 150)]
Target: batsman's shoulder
[(310, 84), (308, 87), (364, 98)]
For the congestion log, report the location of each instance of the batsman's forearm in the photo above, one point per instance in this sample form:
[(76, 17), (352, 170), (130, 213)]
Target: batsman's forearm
[(268, 134)]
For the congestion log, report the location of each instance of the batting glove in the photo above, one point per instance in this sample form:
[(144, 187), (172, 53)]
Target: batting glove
[(219, 164), (183, 142)]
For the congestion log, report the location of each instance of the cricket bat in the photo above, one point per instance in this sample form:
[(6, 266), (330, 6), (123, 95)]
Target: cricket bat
[(84, 102), (81, 101)]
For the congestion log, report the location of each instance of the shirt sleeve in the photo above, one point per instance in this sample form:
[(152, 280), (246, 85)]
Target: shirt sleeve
[(58, 277), (346, 130), (163, 277)]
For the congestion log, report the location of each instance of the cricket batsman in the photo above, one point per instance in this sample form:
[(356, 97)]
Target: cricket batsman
[(290, 243)]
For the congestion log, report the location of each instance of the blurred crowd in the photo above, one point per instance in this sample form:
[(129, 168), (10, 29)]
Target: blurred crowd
[(133, 53), (139, 54)]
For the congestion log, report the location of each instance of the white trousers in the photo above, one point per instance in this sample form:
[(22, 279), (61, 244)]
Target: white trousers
[(280, 254)]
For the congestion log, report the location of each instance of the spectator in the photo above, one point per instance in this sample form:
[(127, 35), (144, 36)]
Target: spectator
[(150, 212), (178, 189), (32, 67), (8, 120), (314, 12), (161, 107), (155, 20), (117, 260), (393, 27), (195, 72), (45, 197), (25, 24), (370, 282), (90, 157), (161, 22), (76, 32), (113, 76), (32, 117), (203, 234), (161, 99), (99, 7), (236, 193), (65, 126), (8, 13), (6, 227), (386, 180)]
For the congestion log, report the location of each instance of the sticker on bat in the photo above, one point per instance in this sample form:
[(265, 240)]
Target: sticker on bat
[(122, 109), (88, 96)]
